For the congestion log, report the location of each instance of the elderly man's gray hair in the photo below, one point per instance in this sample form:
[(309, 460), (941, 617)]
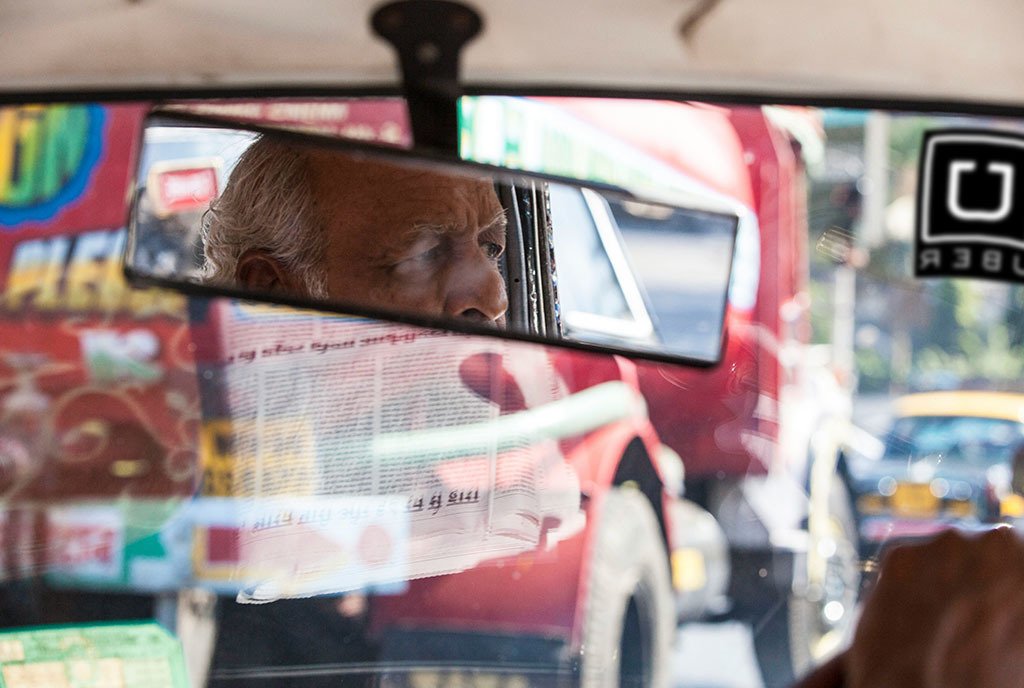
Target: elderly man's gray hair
[(268, 205)]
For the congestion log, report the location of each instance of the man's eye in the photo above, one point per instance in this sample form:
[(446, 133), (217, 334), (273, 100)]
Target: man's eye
[(424, 253), (431, 254), (493, 250), (419, 259)]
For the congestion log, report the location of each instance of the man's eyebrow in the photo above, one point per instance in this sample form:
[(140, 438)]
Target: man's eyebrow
[(498, 221), (388, 250)]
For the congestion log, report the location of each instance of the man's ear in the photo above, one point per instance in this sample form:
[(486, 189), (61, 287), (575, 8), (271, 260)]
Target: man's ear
[(258, 271)]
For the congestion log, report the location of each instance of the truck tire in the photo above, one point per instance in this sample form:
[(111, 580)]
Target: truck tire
[(629, 617), (810, 625)]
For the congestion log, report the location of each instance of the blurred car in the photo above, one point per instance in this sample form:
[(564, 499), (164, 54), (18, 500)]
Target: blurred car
[(945, 462)]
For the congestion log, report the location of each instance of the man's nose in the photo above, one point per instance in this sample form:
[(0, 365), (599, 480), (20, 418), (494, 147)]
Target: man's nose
[(476, 291)]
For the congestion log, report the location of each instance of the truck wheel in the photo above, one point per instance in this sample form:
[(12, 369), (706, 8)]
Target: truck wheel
[(812, 624), (629, 616)]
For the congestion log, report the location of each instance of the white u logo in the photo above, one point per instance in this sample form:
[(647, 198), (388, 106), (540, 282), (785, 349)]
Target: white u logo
[(960, 167)]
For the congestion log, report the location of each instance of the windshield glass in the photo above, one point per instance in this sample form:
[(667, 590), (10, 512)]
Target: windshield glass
[(970, 441), (201, 490)]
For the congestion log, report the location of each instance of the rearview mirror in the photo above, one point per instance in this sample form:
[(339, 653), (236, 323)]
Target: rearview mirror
[(309, 220)]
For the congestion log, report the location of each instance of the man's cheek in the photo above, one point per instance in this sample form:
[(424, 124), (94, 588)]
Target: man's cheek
[(415, 295)]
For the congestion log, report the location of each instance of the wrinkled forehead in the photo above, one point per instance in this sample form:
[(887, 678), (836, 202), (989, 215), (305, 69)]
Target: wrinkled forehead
[(381, 188), (373, 211)]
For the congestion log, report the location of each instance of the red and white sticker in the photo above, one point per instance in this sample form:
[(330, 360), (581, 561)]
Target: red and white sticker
[(181, 186), (85, 541)]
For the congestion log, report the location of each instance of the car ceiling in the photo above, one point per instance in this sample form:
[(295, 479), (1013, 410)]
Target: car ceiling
[(928, 49)]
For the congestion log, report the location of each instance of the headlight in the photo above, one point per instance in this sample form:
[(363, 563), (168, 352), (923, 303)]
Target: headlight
[(871, 504), (1011, 506), (959, 508)]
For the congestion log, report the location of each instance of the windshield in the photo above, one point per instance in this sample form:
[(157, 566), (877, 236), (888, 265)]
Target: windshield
[(959, 440), (201, 490)]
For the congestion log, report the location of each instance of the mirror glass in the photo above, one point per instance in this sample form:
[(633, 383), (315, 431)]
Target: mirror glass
[(455, 244)]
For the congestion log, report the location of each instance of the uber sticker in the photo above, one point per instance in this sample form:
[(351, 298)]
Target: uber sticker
[(970, 205)]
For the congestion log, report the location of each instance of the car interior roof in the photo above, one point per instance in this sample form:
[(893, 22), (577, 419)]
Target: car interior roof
[(944, 50)]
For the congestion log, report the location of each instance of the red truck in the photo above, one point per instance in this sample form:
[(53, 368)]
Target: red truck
[(756, 433)]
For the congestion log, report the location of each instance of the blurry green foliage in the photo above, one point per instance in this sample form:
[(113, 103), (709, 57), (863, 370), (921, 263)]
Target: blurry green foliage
[(983, 358), (874, 371)]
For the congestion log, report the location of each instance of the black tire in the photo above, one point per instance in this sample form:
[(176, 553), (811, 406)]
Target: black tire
[(629, 614), (810, 625)]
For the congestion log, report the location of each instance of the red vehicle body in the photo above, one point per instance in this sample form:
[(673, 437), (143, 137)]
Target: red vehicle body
[(745, 428), (740, 433)]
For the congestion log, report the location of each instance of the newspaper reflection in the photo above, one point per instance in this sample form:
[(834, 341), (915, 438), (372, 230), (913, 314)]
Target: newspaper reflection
[(341, 454)]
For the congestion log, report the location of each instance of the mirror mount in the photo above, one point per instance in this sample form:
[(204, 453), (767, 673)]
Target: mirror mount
[(429, 36)]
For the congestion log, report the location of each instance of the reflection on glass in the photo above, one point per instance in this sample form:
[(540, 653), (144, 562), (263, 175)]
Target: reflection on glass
[(425, 453), (356, 489), (273, 216), (288, 497), (651, 276), (681, 260), (584, 263)]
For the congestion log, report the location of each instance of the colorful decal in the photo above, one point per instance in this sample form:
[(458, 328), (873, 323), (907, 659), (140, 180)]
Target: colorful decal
[(88, 540), (129, 655), (80, 274), (47, 155), (131, 544), (113, 356)]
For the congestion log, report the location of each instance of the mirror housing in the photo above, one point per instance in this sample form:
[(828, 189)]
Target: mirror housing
[(259, 212)]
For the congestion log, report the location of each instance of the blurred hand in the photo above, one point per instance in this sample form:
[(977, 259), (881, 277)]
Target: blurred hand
[(949, 613), (945, 614)]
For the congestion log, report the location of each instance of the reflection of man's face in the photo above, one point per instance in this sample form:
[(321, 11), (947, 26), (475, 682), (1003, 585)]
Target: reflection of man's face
[(411, 240)]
